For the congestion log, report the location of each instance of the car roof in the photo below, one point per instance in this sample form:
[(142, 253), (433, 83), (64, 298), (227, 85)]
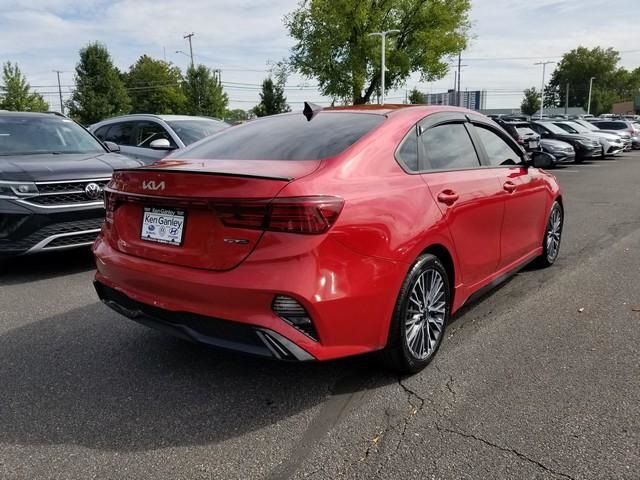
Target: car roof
[(169, 118), (8, 113)]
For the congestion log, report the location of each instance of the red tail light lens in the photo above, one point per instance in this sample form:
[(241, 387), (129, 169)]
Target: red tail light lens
[(303, 215), (109, 206)]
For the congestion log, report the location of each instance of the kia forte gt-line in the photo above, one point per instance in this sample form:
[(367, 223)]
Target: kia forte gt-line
[(326, 234)]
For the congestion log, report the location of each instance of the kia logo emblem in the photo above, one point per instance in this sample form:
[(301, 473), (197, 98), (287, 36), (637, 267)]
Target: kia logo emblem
[(93, 191), (151, 185)]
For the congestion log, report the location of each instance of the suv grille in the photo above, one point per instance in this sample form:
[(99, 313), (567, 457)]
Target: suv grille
[(67, 193)]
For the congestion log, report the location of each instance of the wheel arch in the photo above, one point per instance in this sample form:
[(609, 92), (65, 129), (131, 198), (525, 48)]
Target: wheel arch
[(445, 256)]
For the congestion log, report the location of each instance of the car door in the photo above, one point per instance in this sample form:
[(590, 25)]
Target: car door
[(524, 190), (120, 133), (468, 195), (145, 132)]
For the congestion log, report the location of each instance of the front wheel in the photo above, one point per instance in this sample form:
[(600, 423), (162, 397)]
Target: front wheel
[(552, 236), (419, 319)]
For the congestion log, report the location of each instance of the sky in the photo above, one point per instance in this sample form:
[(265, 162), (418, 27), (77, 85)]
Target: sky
[(242, 38)]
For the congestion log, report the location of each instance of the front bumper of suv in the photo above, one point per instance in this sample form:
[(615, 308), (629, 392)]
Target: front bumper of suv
[(61, 216)]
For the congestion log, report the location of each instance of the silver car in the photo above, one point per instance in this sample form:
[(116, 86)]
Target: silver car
[(149, 138)]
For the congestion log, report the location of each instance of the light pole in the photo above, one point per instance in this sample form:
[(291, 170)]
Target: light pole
[(544, 67), (383, 69), (590, 88)]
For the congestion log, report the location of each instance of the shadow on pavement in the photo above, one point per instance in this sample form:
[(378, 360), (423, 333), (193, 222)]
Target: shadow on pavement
[(92, 379), (29, 268)]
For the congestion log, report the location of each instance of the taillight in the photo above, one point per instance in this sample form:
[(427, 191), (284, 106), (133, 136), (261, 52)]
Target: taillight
[(304, 215), (109, 207)]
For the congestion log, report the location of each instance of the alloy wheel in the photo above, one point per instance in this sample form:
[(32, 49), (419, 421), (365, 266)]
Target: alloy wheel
[(554, 232), (426, 311)]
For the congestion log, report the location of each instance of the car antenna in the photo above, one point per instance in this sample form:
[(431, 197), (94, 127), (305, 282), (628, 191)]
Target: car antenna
[(311, 110)]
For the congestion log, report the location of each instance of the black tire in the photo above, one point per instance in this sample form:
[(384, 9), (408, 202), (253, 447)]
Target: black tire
[(398, 355), (549, 254)]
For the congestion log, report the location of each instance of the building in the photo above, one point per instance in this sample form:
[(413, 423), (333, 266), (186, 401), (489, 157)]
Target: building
[(473, 100)]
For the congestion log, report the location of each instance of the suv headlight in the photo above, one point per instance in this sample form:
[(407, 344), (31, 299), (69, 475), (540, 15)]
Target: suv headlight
[(17, 189)]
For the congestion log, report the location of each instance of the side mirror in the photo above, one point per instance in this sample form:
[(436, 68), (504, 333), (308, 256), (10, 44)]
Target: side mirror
[(161, 144), (540, 160), (112, 147)]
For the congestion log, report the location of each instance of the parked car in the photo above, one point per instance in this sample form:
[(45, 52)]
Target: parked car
[(152, 137), (622, 125), (52, 173), (521, 132), (585, 147), (624, 136), (562, 152), (334, 233), (611, 143)]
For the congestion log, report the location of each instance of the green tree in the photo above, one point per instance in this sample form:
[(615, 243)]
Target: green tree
[(333, 43), (16, 92), (100, 92), (272, 99), (530, 102), (203, 93), (576, 69), (236, 115), (155, 86), (416, 96)]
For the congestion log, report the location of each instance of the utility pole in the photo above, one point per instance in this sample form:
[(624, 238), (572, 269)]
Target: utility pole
[(459, 72), (544, 67), (566, 101), (58, 72), (190, 46), (590, 88), (383, 68)]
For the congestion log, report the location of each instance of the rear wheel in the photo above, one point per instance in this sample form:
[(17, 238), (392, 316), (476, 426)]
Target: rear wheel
[(419, 319), (552, 236)]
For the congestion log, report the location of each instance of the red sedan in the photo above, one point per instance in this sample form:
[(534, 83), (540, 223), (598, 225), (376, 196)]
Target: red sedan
[(327, 234)]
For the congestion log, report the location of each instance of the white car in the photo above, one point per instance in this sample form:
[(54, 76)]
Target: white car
[(611, 143), (149, 138)]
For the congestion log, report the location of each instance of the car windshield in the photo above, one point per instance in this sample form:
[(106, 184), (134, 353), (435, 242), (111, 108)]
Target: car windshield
[(190, 131), (567, 128), (287, 137), (553, 128), (579, 128), (31, 135), (588, 125)]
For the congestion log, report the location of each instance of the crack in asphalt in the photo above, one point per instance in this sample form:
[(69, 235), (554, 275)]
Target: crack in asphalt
[(504, 449)]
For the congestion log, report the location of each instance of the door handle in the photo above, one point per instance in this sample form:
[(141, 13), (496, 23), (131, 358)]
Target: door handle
[(509, 186), (448, 197)]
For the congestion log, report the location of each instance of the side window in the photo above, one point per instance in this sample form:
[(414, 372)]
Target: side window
[(498, 151), (120, 133), (147, 132), (408, 151), (448, 147), (101, 132)]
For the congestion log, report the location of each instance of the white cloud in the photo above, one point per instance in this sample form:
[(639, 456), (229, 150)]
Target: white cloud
[(242, 36)]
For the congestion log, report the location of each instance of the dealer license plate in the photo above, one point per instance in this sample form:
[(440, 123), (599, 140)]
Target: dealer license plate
[(163, 225)]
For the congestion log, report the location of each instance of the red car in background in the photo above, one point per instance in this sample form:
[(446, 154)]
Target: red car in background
[(333, 233)]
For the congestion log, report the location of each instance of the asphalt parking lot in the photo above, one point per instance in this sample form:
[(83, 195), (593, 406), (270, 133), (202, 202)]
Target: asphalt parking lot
[(540, 379)]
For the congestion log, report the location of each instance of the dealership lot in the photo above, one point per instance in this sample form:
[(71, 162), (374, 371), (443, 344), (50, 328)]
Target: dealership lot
[(539, 380)]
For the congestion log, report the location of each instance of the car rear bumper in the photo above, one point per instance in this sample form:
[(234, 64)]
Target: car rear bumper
[(349, 298), (218, 333)]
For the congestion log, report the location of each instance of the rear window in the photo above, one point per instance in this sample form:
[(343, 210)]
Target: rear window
[(287, 137), (612, 125), (524, 131)]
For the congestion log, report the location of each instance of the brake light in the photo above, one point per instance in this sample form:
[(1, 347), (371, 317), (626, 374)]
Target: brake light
[(303, 215), (109, 207)]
